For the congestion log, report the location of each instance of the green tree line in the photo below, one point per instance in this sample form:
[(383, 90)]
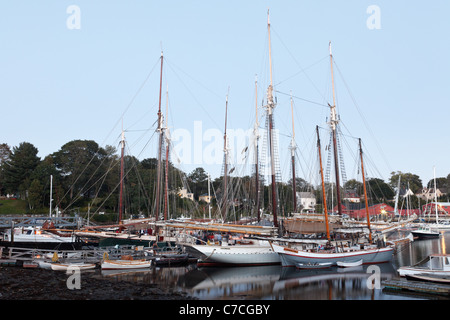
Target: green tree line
[(86, 177)]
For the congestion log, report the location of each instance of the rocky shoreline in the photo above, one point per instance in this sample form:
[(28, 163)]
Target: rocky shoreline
[(17, 283)]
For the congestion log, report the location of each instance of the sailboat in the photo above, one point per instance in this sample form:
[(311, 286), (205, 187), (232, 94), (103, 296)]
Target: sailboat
[(256, 252), (338, 252), (428, 231)]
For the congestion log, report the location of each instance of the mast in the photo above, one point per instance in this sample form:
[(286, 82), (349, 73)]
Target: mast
[(270, 106), (435, 194), (225, 170), (209, 196), (166, 172), (122, 147), (365, 191), (293, 148), (323, 186), (333, 123), (160, 131), (256, 133), (51, 195)]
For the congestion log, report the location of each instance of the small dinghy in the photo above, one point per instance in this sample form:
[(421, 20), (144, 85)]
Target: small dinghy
[(72, 266), (316, 265), (349, 264), (126, 262)]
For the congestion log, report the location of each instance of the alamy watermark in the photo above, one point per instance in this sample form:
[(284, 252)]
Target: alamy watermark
[(200, 146), (74, 280), (373, 22), (73, 22), (374, 280)]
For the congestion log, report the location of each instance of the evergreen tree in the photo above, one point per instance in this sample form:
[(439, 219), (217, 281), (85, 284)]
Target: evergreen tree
[(19, 168)]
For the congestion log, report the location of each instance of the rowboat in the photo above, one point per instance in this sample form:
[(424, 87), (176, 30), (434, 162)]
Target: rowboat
[(313, 265), (72, 266), (349, 264), (125, 264)]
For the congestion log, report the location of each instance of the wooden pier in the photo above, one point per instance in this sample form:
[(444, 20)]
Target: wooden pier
[(417, 287)]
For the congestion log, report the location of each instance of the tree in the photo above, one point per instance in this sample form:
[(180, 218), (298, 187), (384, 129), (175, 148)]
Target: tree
[(5, 154), (378, 190), (35, 194), (198, 179), (81, 165), (19, 168), (414, 182)]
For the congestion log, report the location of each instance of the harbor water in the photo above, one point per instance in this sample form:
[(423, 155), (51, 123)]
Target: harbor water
[(289, 283)]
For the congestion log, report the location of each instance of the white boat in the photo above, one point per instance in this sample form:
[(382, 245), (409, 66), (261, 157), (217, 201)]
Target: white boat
[(316, 265), (435, 264), (125, 264), (369, 255), (349, 264), (72, 265), (37, 237), (260, 253)]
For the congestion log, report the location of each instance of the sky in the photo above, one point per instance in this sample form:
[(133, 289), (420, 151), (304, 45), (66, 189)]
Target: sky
[(88, 69)]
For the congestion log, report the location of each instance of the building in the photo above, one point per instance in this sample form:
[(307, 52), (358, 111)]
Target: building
[(352, 196), (205, 197), (182, 193), (428, 194), (430, 208), (306, 201)]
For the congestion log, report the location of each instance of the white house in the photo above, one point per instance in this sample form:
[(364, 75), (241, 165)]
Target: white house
[(307, 200), (182, 193)]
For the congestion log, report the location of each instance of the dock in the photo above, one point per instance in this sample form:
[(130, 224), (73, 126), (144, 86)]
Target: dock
[(417, 287)]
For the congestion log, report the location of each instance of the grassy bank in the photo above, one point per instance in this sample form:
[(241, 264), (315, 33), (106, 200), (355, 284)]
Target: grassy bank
[(13, 207)]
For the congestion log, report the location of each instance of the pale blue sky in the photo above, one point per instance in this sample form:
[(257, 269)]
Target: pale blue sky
[(58, 84)]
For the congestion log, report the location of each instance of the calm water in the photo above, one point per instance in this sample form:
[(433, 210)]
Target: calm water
[(281, 283)]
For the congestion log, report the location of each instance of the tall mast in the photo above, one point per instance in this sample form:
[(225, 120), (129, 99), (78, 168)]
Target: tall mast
[(293, 148), (160, 131), (122, 147), (209, 196), (225, 170), (166, 171), (323, 186), (333, 123), (365, 191), (256, 133), (51, 195), (435, 194), (270, 106)]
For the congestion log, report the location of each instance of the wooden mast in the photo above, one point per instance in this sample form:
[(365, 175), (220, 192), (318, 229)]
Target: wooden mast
[(333, 123), (122, 147), (365, 191), (293, 148), (160, 131), (166, 171), (270, 107), (323, 186), (256, 133), (225, 168)]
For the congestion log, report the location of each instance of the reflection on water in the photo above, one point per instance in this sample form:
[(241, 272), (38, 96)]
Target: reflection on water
[(281, 283)]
